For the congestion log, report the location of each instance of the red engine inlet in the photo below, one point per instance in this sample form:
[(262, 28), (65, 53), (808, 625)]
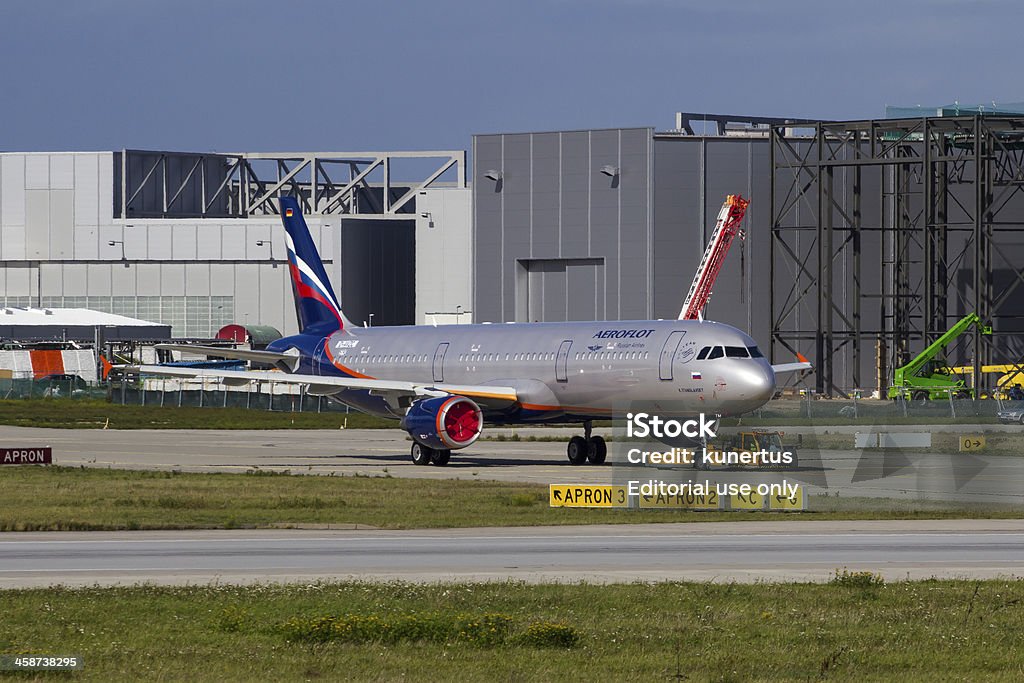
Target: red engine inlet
[(445, 422), (459, 422)]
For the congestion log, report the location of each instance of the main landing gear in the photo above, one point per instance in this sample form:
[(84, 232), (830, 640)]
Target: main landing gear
[(421, 455), (587, 448)]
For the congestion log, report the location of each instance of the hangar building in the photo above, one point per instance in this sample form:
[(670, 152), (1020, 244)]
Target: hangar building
[(193, 240)]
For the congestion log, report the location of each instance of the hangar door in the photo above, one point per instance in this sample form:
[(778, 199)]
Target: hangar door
[(555, 290)]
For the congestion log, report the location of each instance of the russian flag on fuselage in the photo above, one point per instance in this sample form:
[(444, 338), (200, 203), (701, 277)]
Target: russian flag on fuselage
[(315, 302)]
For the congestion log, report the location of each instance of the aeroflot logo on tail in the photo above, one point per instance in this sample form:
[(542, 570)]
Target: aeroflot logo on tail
[(623, 334)]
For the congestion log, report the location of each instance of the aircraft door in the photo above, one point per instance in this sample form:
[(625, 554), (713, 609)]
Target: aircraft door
[(439, 354), (668, 354), (562, 362)]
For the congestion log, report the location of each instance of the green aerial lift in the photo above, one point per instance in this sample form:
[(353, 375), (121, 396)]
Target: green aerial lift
[(927, 377)]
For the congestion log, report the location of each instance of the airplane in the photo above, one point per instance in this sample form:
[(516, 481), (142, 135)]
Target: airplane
[(444, 383)]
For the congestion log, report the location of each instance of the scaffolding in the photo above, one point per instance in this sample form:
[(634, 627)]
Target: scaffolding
[(157, 184), (884, 232)]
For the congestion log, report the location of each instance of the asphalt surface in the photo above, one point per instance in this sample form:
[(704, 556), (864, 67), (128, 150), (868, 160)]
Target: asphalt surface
[(730, 551), (953, 477)]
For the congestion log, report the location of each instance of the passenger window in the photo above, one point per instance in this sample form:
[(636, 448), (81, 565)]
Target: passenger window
[(755, 352), (716, 352), (704, 353), (736, 352)]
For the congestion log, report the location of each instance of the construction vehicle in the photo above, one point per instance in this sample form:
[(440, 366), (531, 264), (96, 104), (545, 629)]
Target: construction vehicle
[(1011, 375), (727, 227), (928, 377), (763, 444)]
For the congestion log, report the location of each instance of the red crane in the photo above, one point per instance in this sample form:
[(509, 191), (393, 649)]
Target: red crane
[(726, 228)]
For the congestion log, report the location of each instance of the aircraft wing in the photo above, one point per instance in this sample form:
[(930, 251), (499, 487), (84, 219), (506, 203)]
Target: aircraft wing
[(792, 367), (284, 361), (486, 395)]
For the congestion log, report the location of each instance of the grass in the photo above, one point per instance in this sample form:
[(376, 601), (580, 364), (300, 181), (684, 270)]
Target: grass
[(60, 499), (96, 414), (852, 629)]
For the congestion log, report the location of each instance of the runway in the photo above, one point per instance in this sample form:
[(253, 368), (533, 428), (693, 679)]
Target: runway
[(730, 551)]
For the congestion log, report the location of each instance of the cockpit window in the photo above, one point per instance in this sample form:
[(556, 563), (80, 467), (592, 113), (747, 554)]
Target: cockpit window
[(736, 352), (716, 352), (755, 352), (704, 353)]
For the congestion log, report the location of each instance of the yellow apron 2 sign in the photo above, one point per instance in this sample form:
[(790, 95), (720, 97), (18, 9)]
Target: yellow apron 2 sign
[(587, 496), (685, 501), (971, 442)]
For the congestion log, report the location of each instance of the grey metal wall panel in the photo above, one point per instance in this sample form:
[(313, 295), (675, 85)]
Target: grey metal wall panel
[(247, 292), (99, 279), (37, 171), (74, 277), (37, 223), (159, 240), (123, 280), (208, 242), (12, 193), (108, 233), (62, 224), (87, 190), (62, 171), (582, 285), (257, 233), (576, 176), (222, 279), (272, 286), (172, 279), (183, 242), (19, 280), (147, 279), (234, 241), (50, 281), (106, 188), (547, 196)]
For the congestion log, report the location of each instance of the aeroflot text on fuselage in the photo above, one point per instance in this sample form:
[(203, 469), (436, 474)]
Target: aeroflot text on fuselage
[(642, 425), (623, 334)]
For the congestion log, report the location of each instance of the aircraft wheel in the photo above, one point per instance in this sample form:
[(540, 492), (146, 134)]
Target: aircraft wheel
[(440, 457), (577, 450), (597, 451), (421, 455)]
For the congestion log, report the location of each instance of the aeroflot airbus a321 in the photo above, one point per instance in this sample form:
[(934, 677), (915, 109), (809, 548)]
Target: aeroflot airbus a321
[(444, 382)]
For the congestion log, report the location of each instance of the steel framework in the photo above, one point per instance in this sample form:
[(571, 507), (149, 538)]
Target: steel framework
[(176, 184), (869, 274)]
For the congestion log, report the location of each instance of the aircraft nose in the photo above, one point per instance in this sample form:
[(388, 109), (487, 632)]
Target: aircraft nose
[(759, 384), (764, 384)]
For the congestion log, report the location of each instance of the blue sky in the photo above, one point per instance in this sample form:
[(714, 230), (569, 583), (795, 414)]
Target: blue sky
[(315, 75)]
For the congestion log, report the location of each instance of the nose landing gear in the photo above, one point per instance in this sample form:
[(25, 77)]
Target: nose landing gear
[(587, 448)]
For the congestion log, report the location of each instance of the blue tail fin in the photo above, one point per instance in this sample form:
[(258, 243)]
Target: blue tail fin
[(315, 302)]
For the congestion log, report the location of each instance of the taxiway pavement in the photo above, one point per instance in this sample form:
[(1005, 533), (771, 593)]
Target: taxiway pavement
[(729, 551)]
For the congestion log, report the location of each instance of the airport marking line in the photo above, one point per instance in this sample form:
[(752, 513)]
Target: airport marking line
[(554, 537)]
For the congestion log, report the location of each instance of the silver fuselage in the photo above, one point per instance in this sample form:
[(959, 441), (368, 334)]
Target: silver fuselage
[(568, 371)]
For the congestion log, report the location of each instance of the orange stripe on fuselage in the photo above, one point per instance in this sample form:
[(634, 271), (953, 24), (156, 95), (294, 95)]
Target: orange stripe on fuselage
[(566, 409), (343, 368)]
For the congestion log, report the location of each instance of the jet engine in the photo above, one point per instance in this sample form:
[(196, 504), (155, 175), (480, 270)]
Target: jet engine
[(444, 423)]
